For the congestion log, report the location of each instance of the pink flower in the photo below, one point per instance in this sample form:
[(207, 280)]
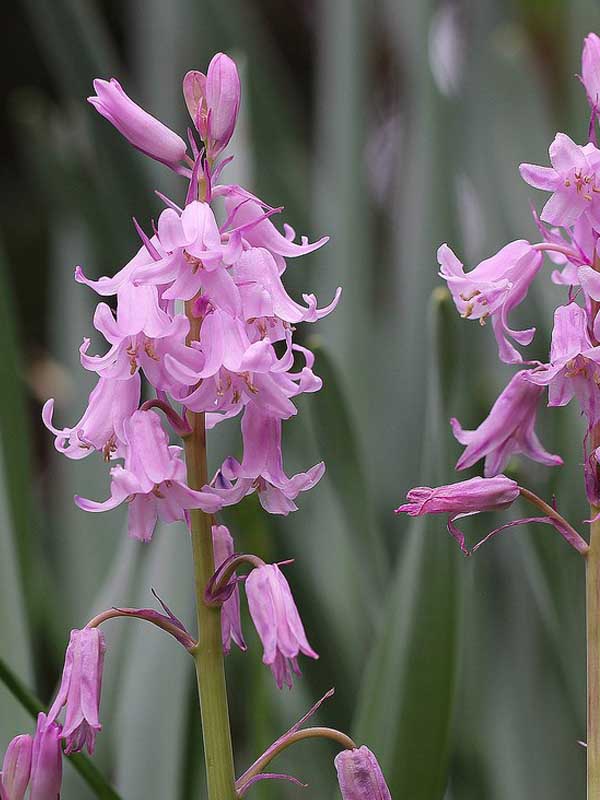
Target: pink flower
[(152, 480), (110, 403), (262, 467), (277, 622), (360, 776), (80, 690), (493, 289), (16, 768), (46, 761), (231, 624), (574, 367), (213, 101), (572, 181), (464, 497), (141, 129), (508, 429), (590, 68)]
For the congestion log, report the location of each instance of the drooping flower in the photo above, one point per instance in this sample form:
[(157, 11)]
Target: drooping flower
[(590, 68), (463, 497), (277, 622), (574, 367), (213, 101), (16, 768), (46, 761), (141, 129), (360, 776), (152, 480), (100, 429), (80, 689), (262, 467), (573, 179), (231, 624), (507, 430), (493, 289)]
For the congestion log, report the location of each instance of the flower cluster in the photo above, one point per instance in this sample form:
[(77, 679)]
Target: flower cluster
[(569, 224)]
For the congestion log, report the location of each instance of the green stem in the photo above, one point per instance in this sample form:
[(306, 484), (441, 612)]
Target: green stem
[(593, 659), (208, 655), (86, 768)]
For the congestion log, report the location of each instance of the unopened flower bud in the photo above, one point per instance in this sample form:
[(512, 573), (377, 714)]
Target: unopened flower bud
[(141, 129), (590, 68), (46, 762), (16, 768), (360, 776)]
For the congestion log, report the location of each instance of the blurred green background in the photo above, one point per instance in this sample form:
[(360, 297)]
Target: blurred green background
[(393, 126)]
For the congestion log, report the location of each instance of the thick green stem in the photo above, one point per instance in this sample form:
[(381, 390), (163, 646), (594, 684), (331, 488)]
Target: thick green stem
[(208, 655), (593, 660)]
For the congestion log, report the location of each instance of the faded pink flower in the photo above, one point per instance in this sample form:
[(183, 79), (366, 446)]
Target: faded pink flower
[(590, 68), (277, 622), (360, 776), (80, 689), (231, 624), (141, 129), (507, 430), (493, 289)]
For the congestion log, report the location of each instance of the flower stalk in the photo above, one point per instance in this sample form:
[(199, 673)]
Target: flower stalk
[(593, 658)]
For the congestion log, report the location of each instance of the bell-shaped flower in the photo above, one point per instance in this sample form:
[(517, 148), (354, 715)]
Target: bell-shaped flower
[(159, 336), (80, 689), (464, 497), (277, 622), (574, 367), (590, 68), (263, 293), (16, 768), (46, 761), (231, 624), (572, 179), (141, 129), (360, 776), (262, 467), (100, 429), (152, 480), (213, 101), (508, 429), (493, 289)]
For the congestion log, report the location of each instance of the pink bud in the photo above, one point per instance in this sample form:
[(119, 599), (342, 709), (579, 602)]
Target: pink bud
[(231, 624), (464, 497), (590, 67), (46, 762), (213, 101), (360, 776), (141, 129), (16, 768)]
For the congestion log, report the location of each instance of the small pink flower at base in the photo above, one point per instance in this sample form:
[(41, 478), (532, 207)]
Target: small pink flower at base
[(231, 624), (141, 129), (16, 768), (574, 367), (493, 289), (46, 761), (590, 68), (571, 179), (100, 429), (213, 101), (80, 689), (360, 776), (277, 622), (507, 430), (152, 480)]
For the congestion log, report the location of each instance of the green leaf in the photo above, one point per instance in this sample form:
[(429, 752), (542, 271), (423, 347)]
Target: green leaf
[(405, 705)]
